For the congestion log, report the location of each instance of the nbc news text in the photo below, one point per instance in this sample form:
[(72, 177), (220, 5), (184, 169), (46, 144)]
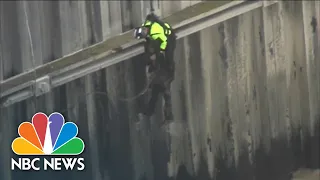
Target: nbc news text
[(56, 164)]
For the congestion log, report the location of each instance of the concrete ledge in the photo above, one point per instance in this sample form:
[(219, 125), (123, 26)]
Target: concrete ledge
[(112, 45)]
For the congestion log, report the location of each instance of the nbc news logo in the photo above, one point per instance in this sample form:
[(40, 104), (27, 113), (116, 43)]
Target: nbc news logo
[(48, 136)]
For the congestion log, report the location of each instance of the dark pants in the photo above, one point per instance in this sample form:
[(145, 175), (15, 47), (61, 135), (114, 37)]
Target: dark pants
[(169, 57), (158, 89), (163, 86), (166, 62)]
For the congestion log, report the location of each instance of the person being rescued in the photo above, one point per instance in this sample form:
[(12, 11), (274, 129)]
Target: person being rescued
[(159, 50)]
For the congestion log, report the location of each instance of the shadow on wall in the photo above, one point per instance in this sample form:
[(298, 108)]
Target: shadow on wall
[(123, 153), (115, 146), (279, 164)]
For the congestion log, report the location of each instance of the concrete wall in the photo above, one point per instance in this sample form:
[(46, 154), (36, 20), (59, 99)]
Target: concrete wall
[(36, 32), (247, 87), (246, 106)]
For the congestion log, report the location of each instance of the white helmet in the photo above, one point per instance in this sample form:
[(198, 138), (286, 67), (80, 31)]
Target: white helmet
[(140, 32)]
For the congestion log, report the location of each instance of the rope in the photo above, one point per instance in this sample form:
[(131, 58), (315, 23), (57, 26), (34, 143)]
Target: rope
[(32, 53), (144, 90)]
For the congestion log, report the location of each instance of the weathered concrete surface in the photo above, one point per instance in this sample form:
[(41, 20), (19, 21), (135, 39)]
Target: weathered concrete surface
[(306, 174), (108, 47), (37, 32), (57, 29), (245, 98)]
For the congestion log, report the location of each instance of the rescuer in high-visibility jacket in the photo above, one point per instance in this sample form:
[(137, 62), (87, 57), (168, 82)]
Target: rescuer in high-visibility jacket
[(161, 41), (161, 37)]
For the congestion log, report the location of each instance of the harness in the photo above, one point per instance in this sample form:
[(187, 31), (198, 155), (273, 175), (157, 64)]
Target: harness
[(167, 29)]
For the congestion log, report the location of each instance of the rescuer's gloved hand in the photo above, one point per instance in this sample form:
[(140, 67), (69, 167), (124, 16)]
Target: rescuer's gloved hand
[(162, 51), (161, 58), (162, 55)]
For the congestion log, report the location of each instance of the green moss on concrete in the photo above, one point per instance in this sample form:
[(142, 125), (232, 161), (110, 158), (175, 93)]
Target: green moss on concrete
[(110, 45)]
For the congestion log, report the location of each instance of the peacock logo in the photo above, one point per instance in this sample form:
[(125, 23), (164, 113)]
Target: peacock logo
[(48, 136)]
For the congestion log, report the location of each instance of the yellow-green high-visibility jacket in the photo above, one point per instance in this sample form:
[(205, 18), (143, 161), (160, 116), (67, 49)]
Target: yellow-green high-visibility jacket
[(158, 33)]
